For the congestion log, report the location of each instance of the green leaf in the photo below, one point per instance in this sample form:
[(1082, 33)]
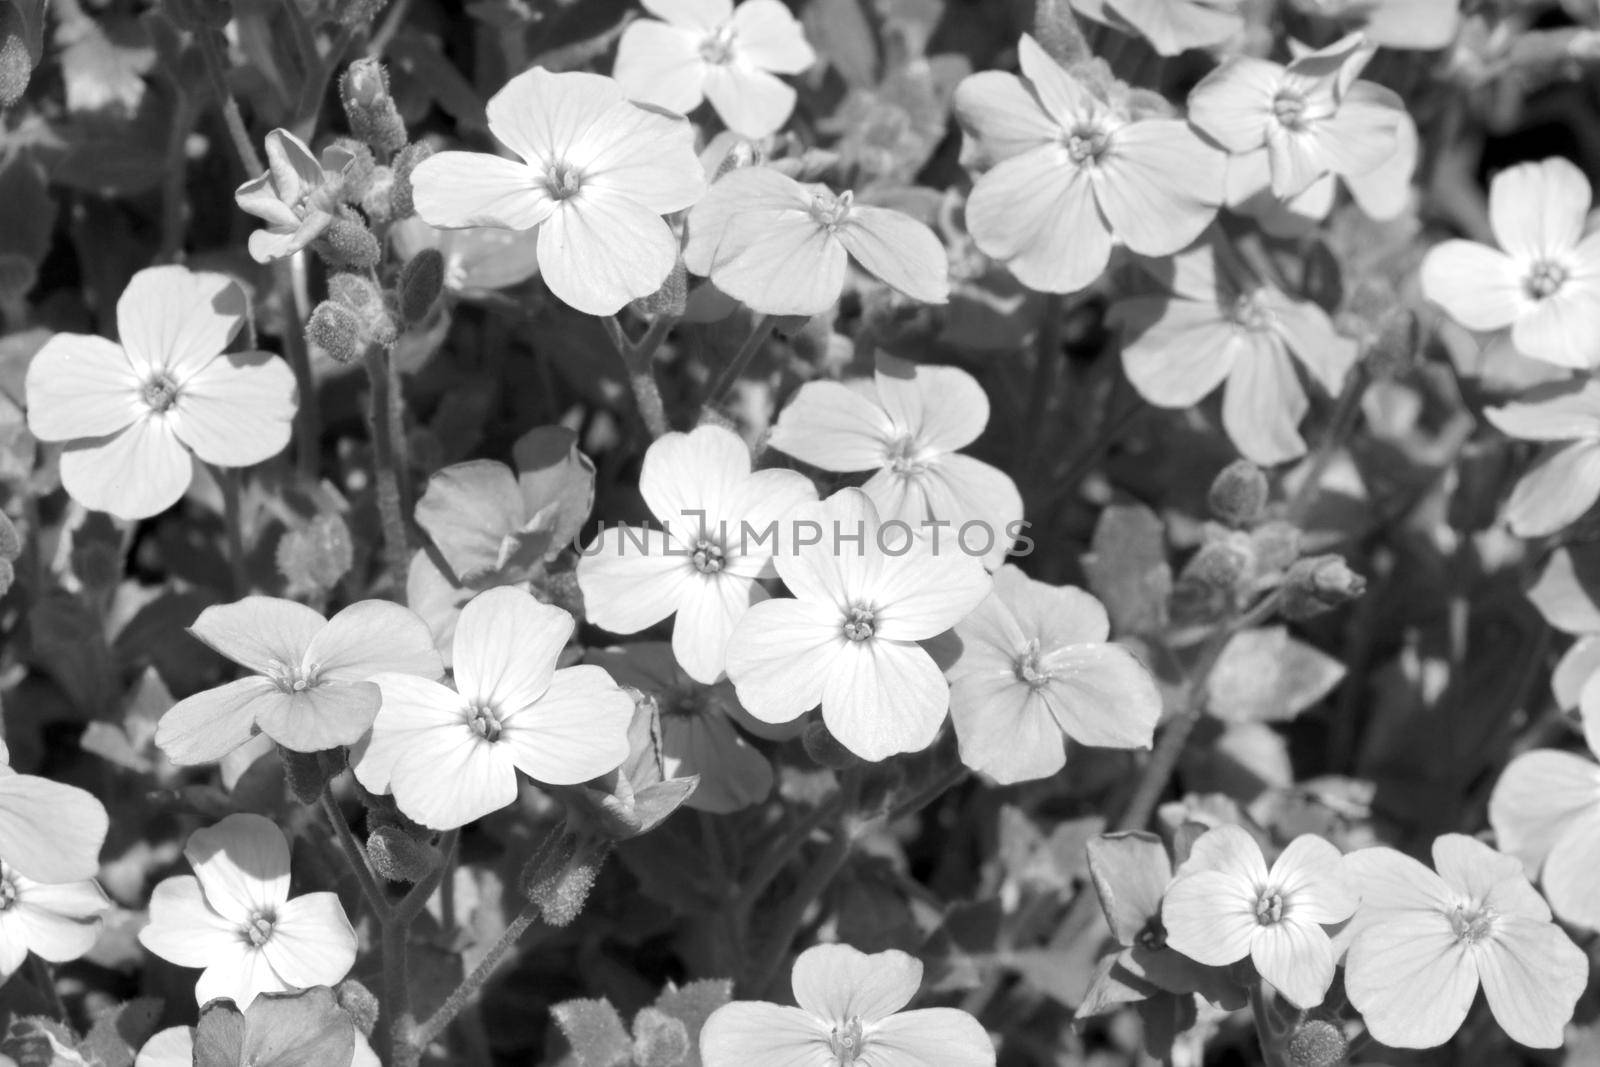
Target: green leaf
[(118, 1032), (1127, 568), (692, 1005), (1265, 675), (595, 1031)]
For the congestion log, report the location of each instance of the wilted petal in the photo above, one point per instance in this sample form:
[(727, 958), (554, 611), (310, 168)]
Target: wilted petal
[(457, 189), (79, 385)]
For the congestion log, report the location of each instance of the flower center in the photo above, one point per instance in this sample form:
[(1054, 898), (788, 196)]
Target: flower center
[(716, 47), (1289, 108), (1154, 935), (846, 1042), (1247, 311), (160, 392), (1544, 280), (679, 701), (858, 623), (830, 211), (1472, 922), (292, 678), (904, 456), (1086, 144), (707, 557), (1029, 667), (258, 931), (1269, 908), (8, 892), (483, 720), (563, 181)]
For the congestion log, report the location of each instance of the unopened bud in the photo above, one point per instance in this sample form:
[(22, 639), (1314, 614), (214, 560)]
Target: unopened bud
[(377, 203), (1277, 546), (742, 154), (562, 590), (1238, 494), (16, 65), (669, 300), (336, 330), (359, 1003), (399, 857), (364, 91), (1318, 584), (823, 747), (1318, 1043), (1222, 565), (400, 202), (659, 1040), (421, 282), (1055, 27), (361, 295), (560, 874), (308, 773), (347, 244)]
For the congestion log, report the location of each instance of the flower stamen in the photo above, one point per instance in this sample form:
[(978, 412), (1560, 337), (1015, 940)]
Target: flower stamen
[(717, 46), (483, 719), (258, 931), (858, 624), (160, 392), (708, 557), (1289, 108), (846, 1042), (1269, 908), (563, 181), (1545, 280)]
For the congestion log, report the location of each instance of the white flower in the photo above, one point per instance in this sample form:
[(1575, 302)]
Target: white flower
[(1225, 905), (234, 918), (56, 922), (1312, 116), (297, 197), (718, 524), (906, 424), (1422, 942), (1543, 281), (477, 260), (864, 597), (1074, 173), (131, 414), (595, 174), (1564, 482), (849, 1014), (780, 247), (1171, 26), (708, 49), (1035, 668), (49, 832), (452, 755), (311, 685)]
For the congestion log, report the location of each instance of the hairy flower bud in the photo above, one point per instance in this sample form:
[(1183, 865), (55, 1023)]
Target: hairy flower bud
[(16, 65), (823, 747), (1238, 494), (1397, 346), (377, 203), (358, 173), (1317, 584), (400, 202), (336, 330), (1318, 1043), (671, 299), (347, 244), (364, 91), (742, 154), (421, 282), (1276, 545), (1055, 27), (399, 857), (561, 872), (659, 1040), (359, 294), (308, 773), (360, 1003)]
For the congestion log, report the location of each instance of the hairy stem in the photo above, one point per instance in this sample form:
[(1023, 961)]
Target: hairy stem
[(216, 68), (386, 458), (370, 890), (637, 361), (399, 1023), (1345, 410), (308, 413), (431, 1027)]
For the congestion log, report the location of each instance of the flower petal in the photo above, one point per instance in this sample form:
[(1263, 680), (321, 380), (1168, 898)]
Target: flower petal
[(1003, 729), (1540, 796), (1310, 874), (370, 637), (1002, 116), (50, 832), (599, 252), (883, 697), (458, 189), (1363, 133), (261, 633), (946, 1036), (834, 427), (506, 647), (641, 156), (412, 708), (1176, 351), (207, 726), (746, 1032), (1568, 878), (1296, 958), (448, 775), (632, 577), (1101, 695), (133, 474), (1532, 977), (750, 102), (1559, 411), (1479, 287), (576, 731), (78, 386), (1264, 403), (238, 410), (321, 717), (1066, 98), (1210, 916), (62, 922), (899, 251), (1560, 487), (981, 503), (1561, 328), (733, 773), (767, 34), (781, 656), (942, 408), (661, 65), (242, 863), (688, 479), (183, 928), (1234, 102), (540, 115), (919, 594), (1537, 210), (312, 942), (176, 320), (710, 608), (1037, 213), (836, 983), (1159, 185)]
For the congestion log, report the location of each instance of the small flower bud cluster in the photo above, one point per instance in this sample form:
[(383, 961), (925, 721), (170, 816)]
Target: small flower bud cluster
[(1318, 584), (371, 111), (355, 315), (670, 300), (16, 65)]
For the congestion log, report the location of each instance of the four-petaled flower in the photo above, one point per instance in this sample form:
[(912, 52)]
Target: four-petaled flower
[(864, 596), (781, 247), (234, 918), (1035, 666), (906, 425), (298, 196), (1226, 905), (596, 174), (1074, 172), (1422, 942), (1313, 118), (720, 530), (452, 755), (849, 1016), (311, 686), (55, 921), (1544, 280), (709, 49), (132, 413)]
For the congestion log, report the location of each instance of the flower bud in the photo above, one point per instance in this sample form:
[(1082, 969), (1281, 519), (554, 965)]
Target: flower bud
[(671, 299), (400, 203), (377, 203), (347, 244), (399, 857), (421, 282), (16, 65), (198, 16), (1277, 546), (561, 589), (561, 872), (10, 539), (1238, 494), (1055, 27), (823, 747), (362, 296), (742, 154), (308, 773), (1318, 1043), (659, 1040), (1317, 584), (364, 91), (358, 172), (336, 330), (355, 13), (359, 1003)]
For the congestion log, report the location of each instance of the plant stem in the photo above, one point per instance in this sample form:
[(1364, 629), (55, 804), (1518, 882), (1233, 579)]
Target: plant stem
[(386, 457), (1046, 361), (243, 144), (228, 481), (376, 900), (434, 1025), (1345, 410), (637, 361), (308, 414), (417, 898), (45, 979), (741, 359), (400, 1024), (776, 858)]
